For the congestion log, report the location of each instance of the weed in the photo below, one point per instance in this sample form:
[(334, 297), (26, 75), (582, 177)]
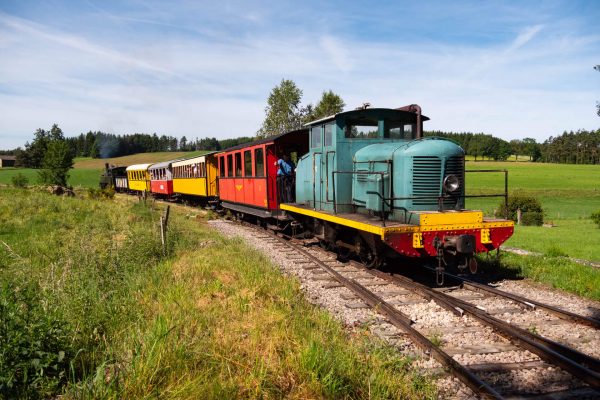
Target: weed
[(20, 180), (533, 329), (436, 339), (596, 218), (555, 251)]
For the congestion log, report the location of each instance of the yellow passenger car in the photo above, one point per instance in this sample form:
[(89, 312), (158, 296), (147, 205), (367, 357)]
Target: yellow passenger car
[(196, 176), (139, 177)]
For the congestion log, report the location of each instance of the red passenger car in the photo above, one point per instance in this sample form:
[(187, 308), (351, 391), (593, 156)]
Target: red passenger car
[(248, 172), (161, 178)]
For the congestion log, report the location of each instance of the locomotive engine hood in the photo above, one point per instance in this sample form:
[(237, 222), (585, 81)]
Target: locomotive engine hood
[(400, 177)]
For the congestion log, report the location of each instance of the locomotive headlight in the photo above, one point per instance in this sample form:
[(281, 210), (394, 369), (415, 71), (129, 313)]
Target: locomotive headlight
[(451, 183)]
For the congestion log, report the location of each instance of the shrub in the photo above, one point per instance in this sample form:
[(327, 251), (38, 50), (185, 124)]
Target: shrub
[(20, 180), (531, 210), (533, 218), (106, 193), (35, 344), (596, 218)]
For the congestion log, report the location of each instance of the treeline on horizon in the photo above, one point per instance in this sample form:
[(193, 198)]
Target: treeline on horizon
[(581, 147)]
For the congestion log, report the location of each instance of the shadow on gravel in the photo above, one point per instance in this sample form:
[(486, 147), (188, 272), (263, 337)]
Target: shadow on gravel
[(490, 270)]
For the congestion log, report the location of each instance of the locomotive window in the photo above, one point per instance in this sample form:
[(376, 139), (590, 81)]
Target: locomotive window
[(222, 166), (238, 164), (328, 135), (399, 130), (315, 137), (259, 162), (247, 163), (362, 128), (229, 165)]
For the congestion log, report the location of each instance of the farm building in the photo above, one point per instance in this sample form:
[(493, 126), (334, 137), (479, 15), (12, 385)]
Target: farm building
[(7, 161)]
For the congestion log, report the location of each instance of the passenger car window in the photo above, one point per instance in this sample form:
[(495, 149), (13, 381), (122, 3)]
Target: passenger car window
[(238, 164), (229, 165), (222, 166), (259, 162), (247, 163)]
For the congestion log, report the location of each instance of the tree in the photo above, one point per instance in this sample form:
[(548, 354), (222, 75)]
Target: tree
[(329, 104), (283, 111), (33, 154), (56, 164), (57, 159)]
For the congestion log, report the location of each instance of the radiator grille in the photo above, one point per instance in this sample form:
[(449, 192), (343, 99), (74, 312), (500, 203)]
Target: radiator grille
[(427, 172)]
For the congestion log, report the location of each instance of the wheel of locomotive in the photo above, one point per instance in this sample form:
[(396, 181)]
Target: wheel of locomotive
[(473, 265), (325, 245), (343, 253), (366, 255)]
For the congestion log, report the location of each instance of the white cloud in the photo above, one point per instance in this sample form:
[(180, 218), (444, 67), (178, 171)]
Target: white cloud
[(530, 84)]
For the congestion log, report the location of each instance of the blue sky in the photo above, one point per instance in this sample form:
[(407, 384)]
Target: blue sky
[(195, 68)]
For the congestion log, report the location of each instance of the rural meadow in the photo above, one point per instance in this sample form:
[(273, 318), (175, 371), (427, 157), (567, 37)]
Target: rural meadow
[(246, 200)]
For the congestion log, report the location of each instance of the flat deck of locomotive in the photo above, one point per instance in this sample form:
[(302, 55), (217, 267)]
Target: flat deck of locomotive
[(363, 222)]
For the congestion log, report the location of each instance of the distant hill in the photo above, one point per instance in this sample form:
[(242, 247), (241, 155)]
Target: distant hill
[(141, 158)]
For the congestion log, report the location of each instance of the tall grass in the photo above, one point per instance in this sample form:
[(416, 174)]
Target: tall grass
[(102, 314)]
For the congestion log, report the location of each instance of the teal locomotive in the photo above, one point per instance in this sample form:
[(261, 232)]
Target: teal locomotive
[(372, 185)]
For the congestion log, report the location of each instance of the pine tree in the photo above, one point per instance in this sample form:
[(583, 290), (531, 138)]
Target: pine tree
[(330, 104)]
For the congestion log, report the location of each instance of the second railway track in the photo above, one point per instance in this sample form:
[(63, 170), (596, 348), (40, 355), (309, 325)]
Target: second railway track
[(492, 357)]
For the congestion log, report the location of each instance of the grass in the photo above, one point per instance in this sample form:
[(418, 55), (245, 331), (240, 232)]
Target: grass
[(86, 178), (92, 309), (569, 195), (140, 158), (551, 269)]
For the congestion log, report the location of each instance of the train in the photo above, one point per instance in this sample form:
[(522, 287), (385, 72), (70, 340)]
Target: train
[(368, 184)]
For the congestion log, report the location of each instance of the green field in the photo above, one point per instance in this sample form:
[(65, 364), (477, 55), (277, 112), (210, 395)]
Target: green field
[(85, 178), (569, 195), (86, 171), (90, 307), (141, 158)]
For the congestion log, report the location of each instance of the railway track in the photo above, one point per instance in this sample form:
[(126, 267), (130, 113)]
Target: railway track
[(473, 331)]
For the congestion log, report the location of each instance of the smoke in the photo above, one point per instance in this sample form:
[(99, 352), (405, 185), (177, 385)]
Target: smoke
[(108, 146)]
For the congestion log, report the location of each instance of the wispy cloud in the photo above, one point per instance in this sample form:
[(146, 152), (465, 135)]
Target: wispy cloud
[(524, 37), (205, 70), (39, 31)]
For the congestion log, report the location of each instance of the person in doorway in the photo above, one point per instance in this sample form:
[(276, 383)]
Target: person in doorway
[(285, 179)]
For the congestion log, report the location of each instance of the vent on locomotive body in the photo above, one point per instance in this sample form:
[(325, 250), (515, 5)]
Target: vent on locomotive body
[(428, 176), (427, 171)]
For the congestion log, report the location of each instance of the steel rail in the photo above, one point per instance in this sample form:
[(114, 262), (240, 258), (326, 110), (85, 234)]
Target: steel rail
[(403, 322), (576, 363), (563, 314)]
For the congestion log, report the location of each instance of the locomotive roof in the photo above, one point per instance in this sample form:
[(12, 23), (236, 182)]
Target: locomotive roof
[(344, 113), (138, 167), (265, 140)]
